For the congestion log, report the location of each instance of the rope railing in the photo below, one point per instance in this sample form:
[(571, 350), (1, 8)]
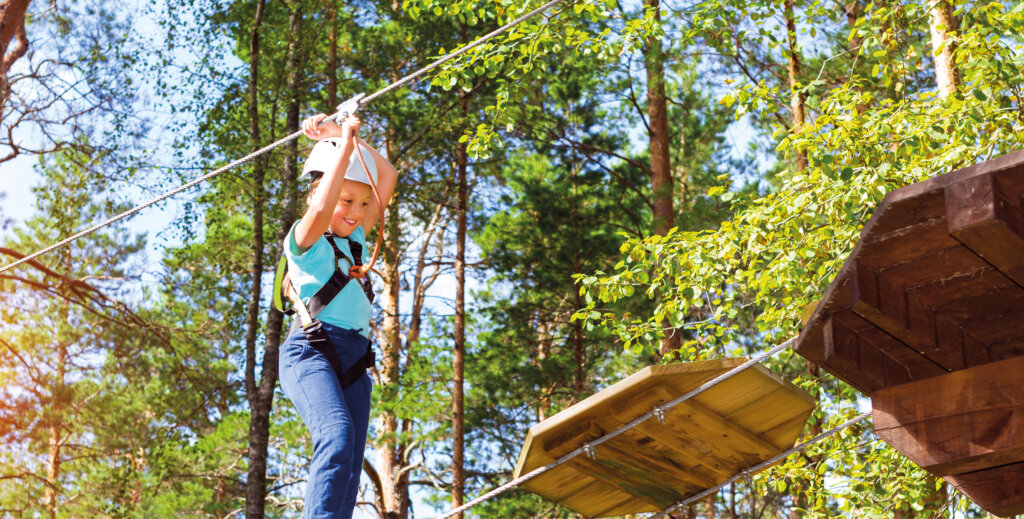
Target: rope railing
[(356, 101), (588, 447)]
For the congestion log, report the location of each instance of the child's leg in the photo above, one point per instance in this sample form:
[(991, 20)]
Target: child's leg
[(358, 398), (309, 381)]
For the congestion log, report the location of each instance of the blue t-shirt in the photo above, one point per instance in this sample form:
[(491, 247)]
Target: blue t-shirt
[(311, 269)]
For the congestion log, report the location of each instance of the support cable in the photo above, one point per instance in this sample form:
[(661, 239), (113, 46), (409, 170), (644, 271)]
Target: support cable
[(589, 447), (760, 466), (354, 102)]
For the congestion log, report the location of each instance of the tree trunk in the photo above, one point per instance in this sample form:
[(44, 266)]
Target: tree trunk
[(394, 481), (658, 145), (459, 355), (657, 114), (332, 57), (578, 345), (12, 25), (796, 102), (943, 21), (56, 441), (59, 403), (543, 327), (255, 494), (852, 13), (257, 209), (259, 428)]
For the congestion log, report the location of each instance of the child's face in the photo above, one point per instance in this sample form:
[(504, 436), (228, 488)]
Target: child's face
[(351, 208)]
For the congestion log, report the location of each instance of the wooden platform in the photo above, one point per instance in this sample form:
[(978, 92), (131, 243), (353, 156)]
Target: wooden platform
[(747, 419), (934, 288)]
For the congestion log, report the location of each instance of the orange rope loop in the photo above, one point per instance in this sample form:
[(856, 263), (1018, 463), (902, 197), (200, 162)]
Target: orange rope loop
[(357, 271)]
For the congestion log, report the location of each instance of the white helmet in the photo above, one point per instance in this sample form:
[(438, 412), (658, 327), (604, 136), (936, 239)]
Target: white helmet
[(327, 153)]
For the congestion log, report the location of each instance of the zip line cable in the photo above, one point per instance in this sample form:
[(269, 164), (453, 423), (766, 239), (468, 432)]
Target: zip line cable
[(354, 102), (588, 448), (757, 468)]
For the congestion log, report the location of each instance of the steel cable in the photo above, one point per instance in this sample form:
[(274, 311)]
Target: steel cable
[(359, 102)]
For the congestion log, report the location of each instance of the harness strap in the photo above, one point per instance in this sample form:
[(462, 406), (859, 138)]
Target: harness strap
[(357, 261), (318, 339)]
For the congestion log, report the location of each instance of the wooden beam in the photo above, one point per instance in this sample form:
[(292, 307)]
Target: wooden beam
[(627, 478), (985, 218), (999, 490), (959, 422)]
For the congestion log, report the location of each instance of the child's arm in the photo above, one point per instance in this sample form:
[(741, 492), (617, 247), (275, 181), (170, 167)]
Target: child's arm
[(325, 198), (387, 178)]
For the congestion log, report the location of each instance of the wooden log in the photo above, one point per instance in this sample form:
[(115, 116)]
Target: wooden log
[(998, 490), (985, 218), (959, 422)]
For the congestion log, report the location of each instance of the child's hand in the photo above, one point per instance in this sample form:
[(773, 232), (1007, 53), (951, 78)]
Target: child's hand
[(350, 127), (311, 127)]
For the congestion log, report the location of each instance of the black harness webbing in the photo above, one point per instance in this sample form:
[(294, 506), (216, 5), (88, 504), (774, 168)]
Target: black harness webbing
[(314, 331)]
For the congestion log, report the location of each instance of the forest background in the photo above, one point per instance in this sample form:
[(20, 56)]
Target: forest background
[(607, 186)]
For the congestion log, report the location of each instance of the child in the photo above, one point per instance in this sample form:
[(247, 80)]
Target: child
[(323, 365)]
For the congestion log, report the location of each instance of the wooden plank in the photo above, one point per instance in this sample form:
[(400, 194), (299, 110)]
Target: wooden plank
[(811, 341), (842, 355), (907, 365), (964, 284), (976, 352), (1000, 327), (575, 434), (929, 237), (763, 418), (917, 328), (961, 421), (740, 390), (592, 504), (869, 359), (626, 477), (898, 211), (648, 462), (723, 431), (1013, 347), (786, 433), (981, 217), (999, 490), (903, 199), (633, 506), (970, 310), (558, 486), (689, 451), (897, 280), (695, 469)]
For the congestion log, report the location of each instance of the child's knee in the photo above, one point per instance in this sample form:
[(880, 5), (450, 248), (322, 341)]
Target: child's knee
[(336, 442)]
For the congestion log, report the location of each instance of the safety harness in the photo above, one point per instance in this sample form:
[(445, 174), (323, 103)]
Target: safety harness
[(311, 326)]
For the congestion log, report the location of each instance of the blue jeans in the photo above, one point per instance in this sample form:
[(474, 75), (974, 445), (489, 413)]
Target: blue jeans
[(337, 419)]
